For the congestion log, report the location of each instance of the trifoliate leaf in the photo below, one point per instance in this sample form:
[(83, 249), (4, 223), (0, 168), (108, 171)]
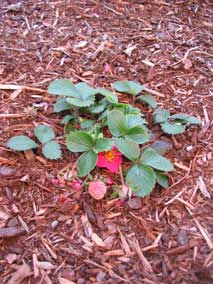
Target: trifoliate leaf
[(110, 96), (128, 148), (86, 163), (162, 179), (161, 115), (80, 95), (103, 144), (44, 133), (51, 150), (152, 158), (117, 123), (21, 143), (79, 141), (185, 118), (141, 179), (129, 87), (173, 128), (148, 99), (137, 134), (61, 105)]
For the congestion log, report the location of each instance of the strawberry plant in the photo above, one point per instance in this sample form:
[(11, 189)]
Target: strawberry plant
[(45, 135), (109, 134)]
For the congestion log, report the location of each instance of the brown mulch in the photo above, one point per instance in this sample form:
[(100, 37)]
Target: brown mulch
[(164, 238)]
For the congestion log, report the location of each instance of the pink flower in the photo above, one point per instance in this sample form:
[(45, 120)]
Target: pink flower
[(109, 181), (97, 189), (76, 185), (111, 160), (54, 181)]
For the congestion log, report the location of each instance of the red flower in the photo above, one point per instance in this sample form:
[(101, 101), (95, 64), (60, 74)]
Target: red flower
[(111, 160)]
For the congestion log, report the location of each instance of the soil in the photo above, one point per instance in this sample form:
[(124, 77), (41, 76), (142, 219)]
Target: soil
[(165, 45)]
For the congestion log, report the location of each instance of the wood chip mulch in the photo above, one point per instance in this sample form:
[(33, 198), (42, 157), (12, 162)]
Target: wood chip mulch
[(165, 238)]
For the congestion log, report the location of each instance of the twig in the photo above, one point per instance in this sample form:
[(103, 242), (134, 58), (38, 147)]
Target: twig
[(16, 87), (153, 92), (12, 115)]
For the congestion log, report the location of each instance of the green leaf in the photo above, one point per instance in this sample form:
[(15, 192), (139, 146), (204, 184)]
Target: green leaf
[(85, 90), (161, 146), (99, 107), (61, 105), (110, 96), (63, 87), (117, 123), (81, 94), (152, 158), (137, 134), (79, 141), (161, 115), (129, 87), (66, 119), (51, 150), (86, 163), (44, 133), (87, 123), (173, 128), (148, 99), (185, 118), (141, 179), (128, 148), (162, 179), (103, 144), (135, 120), (21, 143), (81, 102)]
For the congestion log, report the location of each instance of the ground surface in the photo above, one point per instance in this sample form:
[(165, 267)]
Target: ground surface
[(167, 239)]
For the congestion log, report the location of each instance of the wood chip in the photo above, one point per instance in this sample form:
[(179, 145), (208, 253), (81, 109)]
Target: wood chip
[(146, 265), (125, 244), (65, 281), (205, 234), (97, 240), (203, 188), (11, 232)]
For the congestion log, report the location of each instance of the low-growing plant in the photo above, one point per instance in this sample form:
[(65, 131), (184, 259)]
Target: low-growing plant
[(45, 135), (107, 133)]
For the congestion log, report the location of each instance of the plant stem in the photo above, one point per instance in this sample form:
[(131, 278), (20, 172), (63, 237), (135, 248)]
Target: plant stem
[(121, 175)]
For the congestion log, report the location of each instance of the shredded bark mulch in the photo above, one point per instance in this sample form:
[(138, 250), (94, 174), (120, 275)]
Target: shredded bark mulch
[(164, 238)]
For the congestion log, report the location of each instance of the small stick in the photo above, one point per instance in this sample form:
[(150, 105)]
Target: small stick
[(16, 87), (12, 115), (153, 92)]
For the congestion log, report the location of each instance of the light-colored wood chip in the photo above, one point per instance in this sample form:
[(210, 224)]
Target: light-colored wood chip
[(97, 240)]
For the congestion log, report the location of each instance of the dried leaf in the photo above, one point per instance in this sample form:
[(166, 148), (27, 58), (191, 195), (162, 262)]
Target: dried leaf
[(22, 272), (11, 257)]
